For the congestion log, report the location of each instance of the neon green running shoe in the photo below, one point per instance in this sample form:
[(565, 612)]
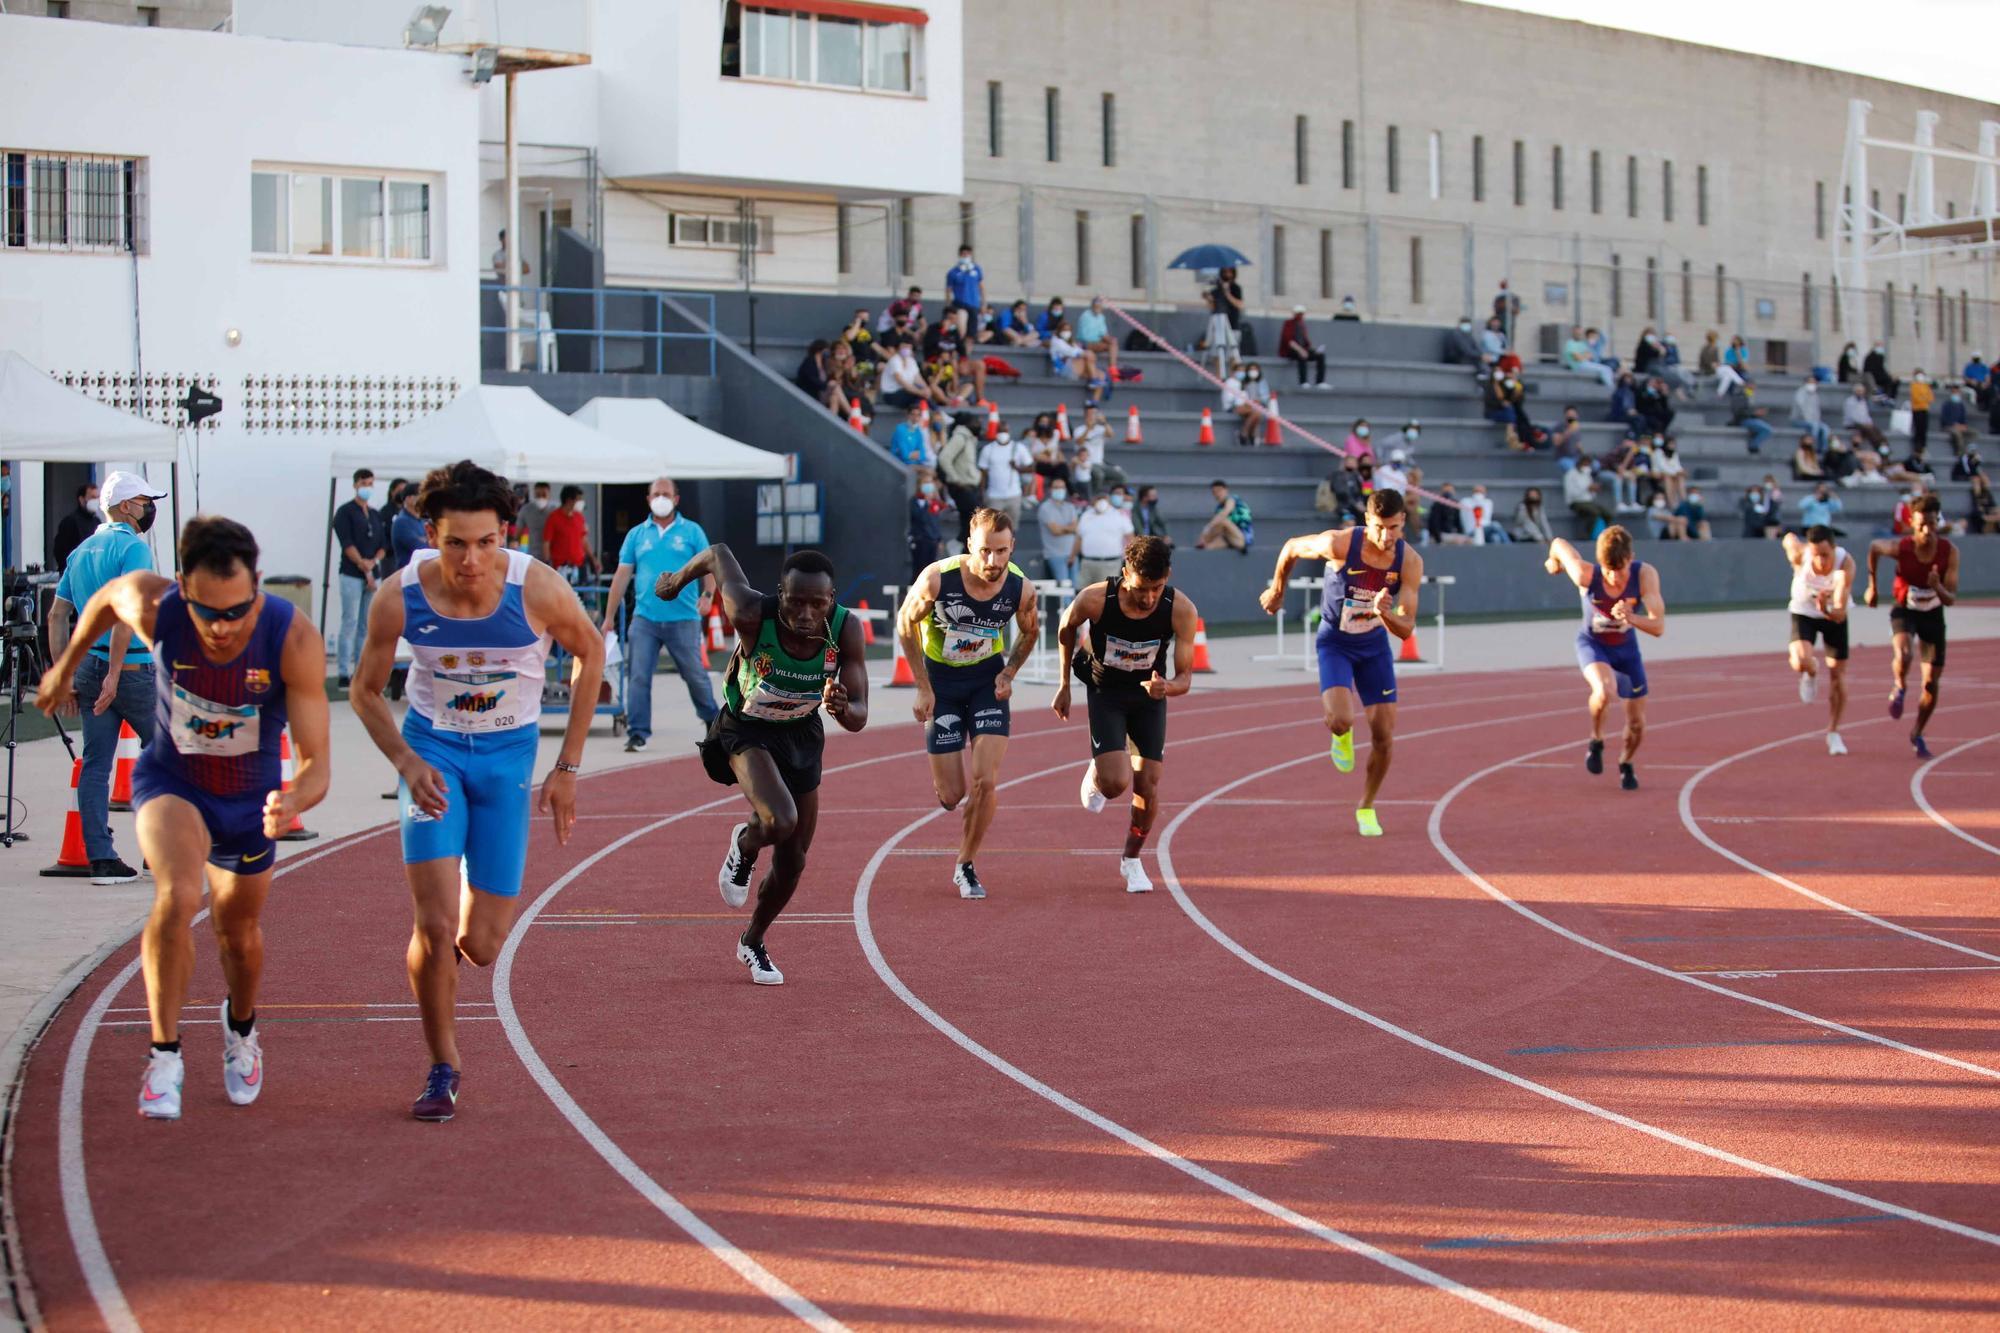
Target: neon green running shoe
[(1342, 751), (1365, 820)]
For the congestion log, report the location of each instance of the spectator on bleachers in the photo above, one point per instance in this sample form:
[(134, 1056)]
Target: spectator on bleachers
[(1058, 514), (1694, 516), (1672, 371), (1493, 340), (1855, 416), (1413, 434), (1966, 466), (1531, 522), (1653, 404), (1743, 413), (1821, 509), (1899, 521), (1357, 444), (1015, 328), (1296, 345), (1759, 508), (1462, 348), (965, 283), (1921, 396), (1091, 476), (1093, 334), (1146, 519), (1236, 402), (1805, 412), (1868, 469), (911, 441), (1875, 373), (1231, 526), (926, 535), (1630, 466), (1095, 431), (1709, 361), (905, 314), (1445, 525), (1975, 371), (983, 331), (1669, 473), (1050, 452), (1393, 475), (1339, 492), (902, 383), (958, 468), (1102, 531), (860, 342), (1623, 410), (1507, 307), (1737, 355), (1050, 319), (1847, 371), (816, 379), (850, 383), (1478, 518), (1070, 361), (1586, 501), (1667, 526), (1954, 416), (1806, 465), (1566, 440), (1577, 355), (1647, 355), (1838, 461), (1348, 313), (1981, 515), (950, 361), (1003, 462), (1256, 389)]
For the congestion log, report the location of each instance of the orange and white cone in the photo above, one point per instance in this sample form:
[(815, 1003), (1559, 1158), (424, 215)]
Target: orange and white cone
[(73, 861), (1207, 435), (1062, 421), (902, 677), (121, 767), (1132, 435), (1410, 653), (287, 770), (992, 421), (1201, 663), (924, 414), (715, 642), (1271, 431), (867, 623), (854, 417)]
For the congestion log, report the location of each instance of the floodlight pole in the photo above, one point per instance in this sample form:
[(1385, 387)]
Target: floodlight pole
[(512, 277)]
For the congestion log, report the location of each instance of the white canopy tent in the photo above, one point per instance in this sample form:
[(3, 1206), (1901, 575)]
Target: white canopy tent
[(685, 450)]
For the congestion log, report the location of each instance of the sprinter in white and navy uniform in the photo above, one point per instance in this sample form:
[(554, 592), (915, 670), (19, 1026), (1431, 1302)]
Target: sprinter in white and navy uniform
[(475, 690)]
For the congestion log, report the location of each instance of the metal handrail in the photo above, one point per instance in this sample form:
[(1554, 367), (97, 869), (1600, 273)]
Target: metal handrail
[(599, 332)]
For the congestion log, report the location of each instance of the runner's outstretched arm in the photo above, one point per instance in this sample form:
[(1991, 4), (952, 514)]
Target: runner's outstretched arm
[(552, 603), (845, 696), (743, 604), (1795, 550), (302, 663), (128, 601), (1083, 609), (1315, 546), (1563, 559)]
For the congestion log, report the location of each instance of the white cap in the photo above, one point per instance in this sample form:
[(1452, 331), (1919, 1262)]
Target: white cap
[(1298, 310), (120, 487), (1397, 456)]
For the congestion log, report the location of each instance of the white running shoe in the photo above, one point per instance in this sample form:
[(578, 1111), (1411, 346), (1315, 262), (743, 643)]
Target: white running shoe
[(1134, 871), (1093, 799), (1808, 688), (1835, 745), (242, 1063), (160, 1091), (734, 877), (762, 970), (966, 881)]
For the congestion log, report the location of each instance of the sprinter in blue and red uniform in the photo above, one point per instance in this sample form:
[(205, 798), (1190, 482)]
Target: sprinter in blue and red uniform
[(1621, 600), (233, 667), (1372, 579)]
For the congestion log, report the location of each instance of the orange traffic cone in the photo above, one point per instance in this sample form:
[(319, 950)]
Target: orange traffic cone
[(854, 417), (993, 421), (867, 624), (1201, 663), (72, 862), (1410, 653), (1271, 434), (902, 676), (715, 643), (924, 415), (1207, 435), (121, 767), (1062, 421), (1132, 435), (287, 770)]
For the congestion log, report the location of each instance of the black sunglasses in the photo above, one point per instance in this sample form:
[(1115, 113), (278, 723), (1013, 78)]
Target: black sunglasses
[(215, 613)]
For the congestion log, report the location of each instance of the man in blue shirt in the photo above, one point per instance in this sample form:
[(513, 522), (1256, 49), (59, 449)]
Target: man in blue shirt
[(965, 283), (1094, 335), (1821, 509), (909, 444), (660, 545), (115, 681)]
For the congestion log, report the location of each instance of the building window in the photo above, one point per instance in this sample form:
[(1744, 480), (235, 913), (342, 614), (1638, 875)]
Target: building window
[(1701, 196), (1687, 290), (1082, 248), (1346, 154), (1139, 252), (1631, 187), (1052, 114), (1667, 191), (1596, 181), (58, 9), (149, 16), (1110, 105), (1556, 177), (1478, 168), (1874, 206), (843, 240), (81, 202), (1652, 288), (1902, 208), (1298, 150), (718, 231), (1326, 263), (1806, 299), (823, 49), (1277, 261), (1395, 160), (965, 224), (1437, 165), (1964, 317), (1520, 174), (1416, 270), (1721, 294), (1617, 286), (993, 104), (906, 234), (1819, 210)]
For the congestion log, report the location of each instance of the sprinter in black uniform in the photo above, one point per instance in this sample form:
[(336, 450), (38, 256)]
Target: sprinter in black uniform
[(1130, 619)]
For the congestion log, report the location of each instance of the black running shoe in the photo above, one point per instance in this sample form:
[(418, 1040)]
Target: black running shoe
[(1627, 778), (1593, 759)]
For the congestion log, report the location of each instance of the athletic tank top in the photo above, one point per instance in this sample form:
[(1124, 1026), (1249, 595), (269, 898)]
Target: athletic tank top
[(1597, 604), (1121, 652), (218, 725), (768, 684), (1913, 575), (1806, 585), (479, 675), (962, 630), (1347, 603)]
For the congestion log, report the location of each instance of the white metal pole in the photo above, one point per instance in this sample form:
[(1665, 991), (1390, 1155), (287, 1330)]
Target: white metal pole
[(512, 277)]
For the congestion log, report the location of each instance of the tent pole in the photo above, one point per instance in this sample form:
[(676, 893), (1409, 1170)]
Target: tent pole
[(174, 481), (326, 566)]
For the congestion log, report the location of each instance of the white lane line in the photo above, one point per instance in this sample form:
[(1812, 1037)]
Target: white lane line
[(1693, 826), (1131, 1138), (1924, 804), (370, 1018), (1173, 884), (91, 1257), (1808, 971), (1480, 882)]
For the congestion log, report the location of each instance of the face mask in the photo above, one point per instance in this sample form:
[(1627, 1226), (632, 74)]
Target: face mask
[(928, 489), (94, 506), (1058, 494), (1658, 443), (1361, 432), (1465, 326), (542, 502), (365, 494), (144, 522), (1120, 502), (661, 505), (965, 261), (1694, 497), (1410, 434), (1100, 504), (1256, 375)]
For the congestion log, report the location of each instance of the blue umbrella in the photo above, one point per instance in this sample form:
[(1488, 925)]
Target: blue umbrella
[(1211, 256)]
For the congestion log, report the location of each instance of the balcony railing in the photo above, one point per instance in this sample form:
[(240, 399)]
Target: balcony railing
[(604, 330)]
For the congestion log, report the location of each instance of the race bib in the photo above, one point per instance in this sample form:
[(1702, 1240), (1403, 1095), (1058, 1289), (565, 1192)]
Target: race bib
[(767, 703), (205, 727), (1357, 613), (965, 645), (1601, 623), (475, 703), (1125, 655), (1922, 599)]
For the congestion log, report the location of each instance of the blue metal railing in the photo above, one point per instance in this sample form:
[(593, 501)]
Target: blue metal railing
[(652, 319)]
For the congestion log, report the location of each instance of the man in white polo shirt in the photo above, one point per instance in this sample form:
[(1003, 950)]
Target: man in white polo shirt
[(1102, 532), (1002, 463)]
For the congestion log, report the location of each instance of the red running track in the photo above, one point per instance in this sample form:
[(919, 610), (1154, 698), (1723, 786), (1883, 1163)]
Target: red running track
[(1542, 1054)]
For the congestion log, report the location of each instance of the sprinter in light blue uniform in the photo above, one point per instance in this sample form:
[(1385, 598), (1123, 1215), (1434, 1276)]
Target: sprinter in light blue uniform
[(1621, 600), (478, 619)]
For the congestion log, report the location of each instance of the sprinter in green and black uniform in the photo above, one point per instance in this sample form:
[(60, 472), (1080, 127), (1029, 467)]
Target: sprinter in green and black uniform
[(954, 627), (795, 653)]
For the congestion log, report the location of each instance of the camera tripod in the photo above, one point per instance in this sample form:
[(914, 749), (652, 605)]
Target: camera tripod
[(24, 666)]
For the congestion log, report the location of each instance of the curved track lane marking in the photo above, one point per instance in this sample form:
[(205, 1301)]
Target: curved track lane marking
[(1131, 1138), (1693, 826), (1472, 1062), (1923, 802)]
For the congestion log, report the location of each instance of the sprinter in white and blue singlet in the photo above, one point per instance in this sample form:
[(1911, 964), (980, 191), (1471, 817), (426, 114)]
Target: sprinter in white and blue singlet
[(233, 666), (1822, 592), (1131, 619), (1372, 581), (1621, 600), (796, 653), (478, 618), (953, 627)]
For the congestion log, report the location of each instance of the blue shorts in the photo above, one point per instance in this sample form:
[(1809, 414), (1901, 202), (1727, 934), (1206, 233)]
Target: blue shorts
[(964, 706), (489, 785), (1622, 658), (1363, 663), (236, 838)]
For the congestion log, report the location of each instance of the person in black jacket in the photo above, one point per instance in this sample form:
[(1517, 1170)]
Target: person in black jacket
[(75, 526)]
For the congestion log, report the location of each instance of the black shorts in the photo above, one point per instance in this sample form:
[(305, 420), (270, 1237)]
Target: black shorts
[(1127, 719), (795, 747), (964, 705), (1927, 626), (1810, 629)]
